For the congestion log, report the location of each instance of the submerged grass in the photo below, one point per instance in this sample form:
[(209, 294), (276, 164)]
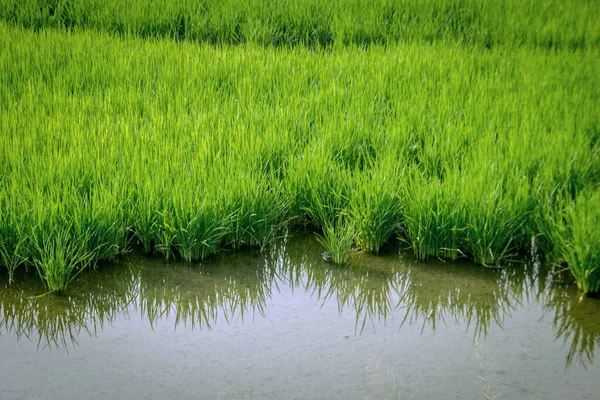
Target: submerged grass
[(185, 148)]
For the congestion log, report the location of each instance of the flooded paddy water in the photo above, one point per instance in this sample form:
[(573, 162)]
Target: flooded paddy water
[(286, 325)]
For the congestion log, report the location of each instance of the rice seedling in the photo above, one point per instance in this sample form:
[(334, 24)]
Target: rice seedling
[(337, 239), (61, 257), (577, 239), (434, 222), (145, 218), (257, 209), (198, 235), (375, 206), (13, 245), (318, 189), (498, 212)]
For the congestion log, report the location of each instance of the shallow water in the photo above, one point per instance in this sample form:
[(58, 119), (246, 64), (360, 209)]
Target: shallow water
[(286, 325)]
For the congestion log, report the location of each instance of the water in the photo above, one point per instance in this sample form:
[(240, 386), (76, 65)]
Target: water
[(286, 325)]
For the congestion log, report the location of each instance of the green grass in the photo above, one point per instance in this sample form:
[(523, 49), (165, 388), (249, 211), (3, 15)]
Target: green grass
[(576, 240), (60, 257), (183, 148), (337, 239), (376, 204), (548, 24)]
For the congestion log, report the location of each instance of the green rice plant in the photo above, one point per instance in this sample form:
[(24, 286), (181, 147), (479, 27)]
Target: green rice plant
[(144, 216), (60, 257), (198, 239), (166, 234), (434, 221), (101, 221), (337, 239), (375, 206), (14, 251), (319, 189), (258, 210), (547, 24), (499, 210), (199, 231), (577, 239), (13, 256)]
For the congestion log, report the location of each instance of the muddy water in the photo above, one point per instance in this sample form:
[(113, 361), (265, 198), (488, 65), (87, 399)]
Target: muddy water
[(286, 325)]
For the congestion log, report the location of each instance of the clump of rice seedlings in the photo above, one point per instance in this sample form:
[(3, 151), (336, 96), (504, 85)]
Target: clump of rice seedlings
[(434, 222), (498, 210), (13, 256), (258, 210), (199, 224), (352, 148), (144, 216), (60, 257), (317, 188), (577, 239), (473, 213), (101, 220), (166, 234), (375, 207), (198, 235), (337, 239), (14, 250)]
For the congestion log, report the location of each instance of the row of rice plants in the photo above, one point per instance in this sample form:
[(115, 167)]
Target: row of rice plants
[(549, 24), (187, 149)]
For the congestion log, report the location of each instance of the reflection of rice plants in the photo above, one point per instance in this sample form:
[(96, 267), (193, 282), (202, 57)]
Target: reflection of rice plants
[(576, 324), (455, 296), (57, 322), (191, 298)]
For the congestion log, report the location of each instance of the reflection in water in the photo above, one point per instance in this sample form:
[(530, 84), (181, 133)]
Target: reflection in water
[(576, 323), (58, 321), (240, 285)]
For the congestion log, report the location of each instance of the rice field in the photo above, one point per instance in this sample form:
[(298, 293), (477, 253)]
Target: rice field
[(548, 24), (463, 130)]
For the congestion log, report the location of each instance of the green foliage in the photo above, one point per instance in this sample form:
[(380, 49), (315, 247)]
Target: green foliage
[(60, 257), (547, 24), (376, 205), (576, 239), (337, 239), (454, 136)]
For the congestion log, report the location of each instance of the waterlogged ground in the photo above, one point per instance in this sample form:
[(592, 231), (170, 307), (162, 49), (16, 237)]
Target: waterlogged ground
[(286, 325)]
